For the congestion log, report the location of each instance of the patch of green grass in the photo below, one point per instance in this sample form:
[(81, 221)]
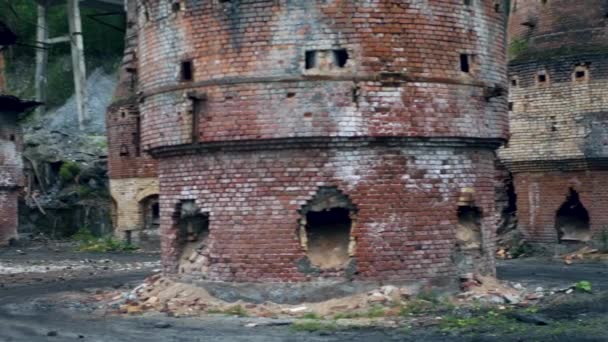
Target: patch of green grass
[(236, 310), (88, 242), (311, 315), (314, 326), (375, 312)]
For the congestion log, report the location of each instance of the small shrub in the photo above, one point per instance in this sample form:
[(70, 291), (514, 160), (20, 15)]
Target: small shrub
[(313, 325), (69, 171), (236, 310), (90, 243), (311, 315), (583, 286)]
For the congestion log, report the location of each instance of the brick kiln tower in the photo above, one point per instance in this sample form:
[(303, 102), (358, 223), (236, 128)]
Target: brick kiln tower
[(308, 140), (133, 175), (559, 98), (11, 147)]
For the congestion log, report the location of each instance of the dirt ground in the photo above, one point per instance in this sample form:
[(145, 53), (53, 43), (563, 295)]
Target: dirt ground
[(47, 293)]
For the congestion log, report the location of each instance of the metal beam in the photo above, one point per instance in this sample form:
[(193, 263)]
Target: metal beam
[(42, 58), (107, 5), (78, 64)]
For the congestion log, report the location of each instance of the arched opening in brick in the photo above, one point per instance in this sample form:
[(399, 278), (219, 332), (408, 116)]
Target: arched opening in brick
[(468, 230), (192, 238), (150, 211), (572, 220), (325, 229)]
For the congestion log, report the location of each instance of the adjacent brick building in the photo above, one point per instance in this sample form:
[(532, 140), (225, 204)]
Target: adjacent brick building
[(132, 172), (308, 140), (559, 104), (11, 146)]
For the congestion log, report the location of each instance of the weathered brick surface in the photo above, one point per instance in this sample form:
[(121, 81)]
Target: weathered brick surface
[(541, 194), (248, 60), (560, 25), (558, 124), (256, 128), (407, 201), (11, 174), (132, 171)]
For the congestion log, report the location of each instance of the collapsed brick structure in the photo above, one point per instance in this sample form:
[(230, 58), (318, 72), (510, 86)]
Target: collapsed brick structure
[(308, 140), (11, 146), (558, 99), (132, 172)]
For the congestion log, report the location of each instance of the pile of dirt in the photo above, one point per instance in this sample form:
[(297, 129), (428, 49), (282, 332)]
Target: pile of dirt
[(160, 294)]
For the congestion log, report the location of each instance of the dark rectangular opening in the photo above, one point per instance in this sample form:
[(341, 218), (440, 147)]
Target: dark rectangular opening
[(187, 71), (510, 106), (197, 108), (464, 63), (137, 137), (542, 78), (467, 2), (311, 59), (579, 74), (340, 57), (514, 82)]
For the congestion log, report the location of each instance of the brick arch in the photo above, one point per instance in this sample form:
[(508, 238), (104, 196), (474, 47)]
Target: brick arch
[(145, 193)]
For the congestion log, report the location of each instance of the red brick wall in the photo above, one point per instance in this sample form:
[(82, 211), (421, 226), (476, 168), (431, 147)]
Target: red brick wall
[(400, 129), (559, 23), (403, 77), (126, 158), (8, 215), (541, 194), (406, 197)]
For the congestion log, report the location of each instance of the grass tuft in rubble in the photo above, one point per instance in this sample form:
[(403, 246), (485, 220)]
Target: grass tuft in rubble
[(314, 326), (236, 310), (88, 242)]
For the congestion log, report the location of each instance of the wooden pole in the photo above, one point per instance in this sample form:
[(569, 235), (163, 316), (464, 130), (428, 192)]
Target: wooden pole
[(78, 63), (42, 58)]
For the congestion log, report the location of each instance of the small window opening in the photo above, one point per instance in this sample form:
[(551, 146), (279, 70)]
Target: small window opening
[(123, 114), (187, 71), (497, 8), (137, 137), (542, 78), (340, 57), (465, 63), (510, 106), (328, 235), (176, 7), (468, 231), (467, 2), (553, 124), (514, 82), (572, 220), (197, 114), (124, 150), (580, 74), (12, 137), (544, 2), (291, 94), (311, 59)]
